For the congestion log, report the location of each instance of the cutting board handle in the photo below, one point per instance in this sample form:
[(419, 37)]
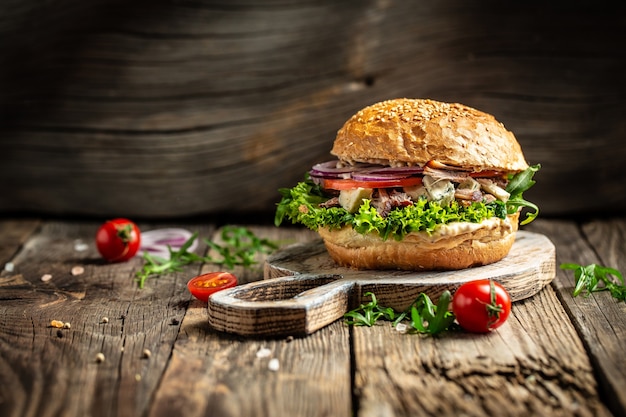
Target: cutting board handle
[(294, 301), (293, 305)]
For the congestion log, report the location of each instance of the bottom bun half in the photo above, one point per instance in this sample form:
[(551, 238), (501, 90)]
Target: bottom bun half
[(452, 246)]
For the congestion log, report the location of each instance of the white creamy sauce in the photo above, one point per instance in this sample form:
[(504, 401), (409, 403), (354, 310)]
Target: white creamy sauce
[(458, 228)]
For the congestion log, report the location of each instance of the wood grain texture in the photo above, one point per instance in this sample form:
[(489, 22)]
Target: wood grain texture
[(50, 369), (515, 371), (210, 374), (554, 356), (13, 233), (172, 109), (600, 242)]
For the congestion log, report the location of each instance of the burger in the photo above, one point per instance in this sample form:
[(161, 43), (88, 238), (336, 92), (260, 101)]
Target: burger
[(417, 184)]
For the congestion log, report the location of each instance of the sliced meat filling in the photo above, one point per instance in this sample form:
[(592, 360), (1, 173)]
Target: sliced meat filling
[(441, 185)]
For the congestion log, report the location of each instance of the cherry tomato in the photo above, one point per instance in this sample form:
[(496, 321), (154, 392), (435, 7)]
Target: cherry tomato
[(118, 240), (204, 285), (350, 184), (481, 305)]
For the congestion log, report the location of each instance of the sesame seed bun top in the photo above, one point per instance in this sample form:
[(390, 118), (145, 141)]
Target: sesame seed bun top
[(414, 131)]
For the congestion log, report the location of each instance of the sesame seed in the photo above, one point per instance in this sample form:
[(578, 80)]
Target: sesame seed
[(77, 270)]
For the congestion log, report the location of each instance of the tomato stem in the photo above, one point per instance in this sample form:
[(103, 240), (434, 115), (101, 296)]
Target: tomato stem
[(124, 233), (493, 308)]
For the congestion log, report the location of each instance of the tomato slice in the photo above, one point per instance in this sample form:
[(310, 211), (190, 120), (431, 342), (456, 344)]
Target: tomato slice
[(204, 285), (351, 184)]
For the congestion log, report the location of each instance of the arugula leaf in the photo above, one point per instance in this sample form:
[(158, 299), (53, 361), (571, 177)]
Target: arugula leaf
[(424, 315), (239, 248), (368, 314), (519, 183), (593, 278)]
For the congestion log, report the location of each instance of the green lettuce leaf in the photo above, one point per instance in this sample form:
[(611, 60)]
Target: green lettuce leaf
[(300, 205)]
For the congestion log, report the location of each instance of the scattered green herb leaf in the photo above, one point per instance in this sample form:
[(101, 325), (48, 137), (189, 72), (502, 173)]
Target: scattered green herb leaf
[(155, 265), (423, 314), (239, 248), (426, 317), (593, 278), (368, 314)]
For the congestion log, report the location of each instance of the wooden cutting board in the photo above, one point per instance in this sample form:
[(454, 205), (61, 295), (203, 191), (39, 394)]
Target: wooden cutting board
[(304, 290)]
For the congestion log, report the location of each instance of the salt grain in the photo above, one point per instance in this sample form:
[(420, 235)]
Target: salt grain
[(9, 267), (401, 328), (80, 246), (273, 365), (46, 277), (263, 353)]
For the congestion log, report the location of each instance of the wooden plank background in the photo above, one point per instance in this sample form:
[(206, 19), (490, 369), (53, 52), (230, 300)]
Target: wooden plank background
[(174, 109)]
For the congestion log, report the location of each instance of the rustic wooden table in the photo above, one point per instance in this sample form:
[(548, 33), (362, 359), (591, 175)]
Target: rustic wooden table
[(556, 355)]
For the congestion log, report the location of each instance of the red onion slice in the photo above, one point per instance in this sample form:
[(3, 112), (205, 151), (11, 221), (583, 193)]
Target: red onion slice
[(319, 174), (406, 171), (386, 173), (362, 171), (329, 169), (155, 242), (374, 176)]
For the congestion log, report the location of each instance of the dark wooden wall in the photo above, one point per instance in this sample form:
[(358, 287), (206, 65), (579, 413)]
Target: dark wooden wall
[(195, 107)]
